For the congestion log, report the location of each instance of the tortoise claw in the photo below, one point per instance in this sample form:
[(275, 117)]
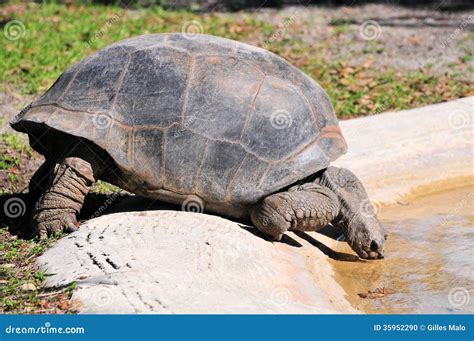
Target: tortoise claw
[(71, 228), (278, 237)]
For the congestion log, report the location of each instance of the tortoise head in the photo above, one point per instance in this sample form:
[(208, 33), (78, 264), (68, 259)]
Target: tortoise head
[(357, 217), (363, 233)]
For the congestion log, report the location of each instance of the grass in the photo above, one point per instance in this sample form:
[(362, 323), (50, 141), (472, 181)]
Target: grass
[(21, 282), (105, 188), (16, 154), (57, 36)]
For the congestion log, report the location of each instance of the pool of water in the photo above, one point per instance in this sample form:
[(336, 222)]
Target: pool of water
[(429, 259)]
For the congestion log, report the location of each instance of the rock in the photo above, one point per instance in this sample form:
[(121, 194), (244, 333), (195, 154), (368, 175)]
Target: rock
[(183, 262), (28, 287)]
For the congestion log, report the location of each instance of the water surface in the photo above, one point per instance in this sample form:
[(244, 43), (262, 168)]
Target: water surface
[(429, 258)]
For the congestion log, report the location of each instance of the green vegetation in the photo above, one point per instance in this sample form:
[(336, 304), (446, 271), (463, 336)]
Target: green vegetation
[(104, 187), (21, 281), (57, 36), (15, 152)]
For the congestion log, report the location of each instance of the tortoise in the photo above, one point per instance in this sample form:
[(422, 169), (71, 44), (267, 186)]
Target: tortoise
[(221, 124)]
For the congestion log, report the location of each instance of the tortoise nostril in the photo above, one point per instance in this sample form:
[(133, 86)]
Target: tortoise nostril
[(374, 246)]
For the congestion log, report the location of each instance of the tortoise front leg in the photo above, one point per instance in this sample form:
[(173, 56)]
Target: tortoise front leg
[(337, 197), (62, 200), (307, 207)]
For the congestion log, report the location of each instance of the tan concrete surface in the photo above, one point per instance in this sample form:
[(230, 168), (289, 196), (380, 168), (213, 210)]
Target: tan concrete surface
[(182, 262), (414, 151)]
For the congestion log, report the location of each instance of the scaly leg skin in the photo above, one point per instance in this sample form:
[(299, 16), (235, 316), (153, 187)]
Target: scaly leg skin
[(58, 206), (307, 207), (362, 229), (337, 197)]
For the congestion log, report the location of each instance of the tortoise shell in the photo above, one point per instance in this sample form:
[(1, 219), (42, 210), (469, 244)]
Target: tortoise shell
[(202, 115)]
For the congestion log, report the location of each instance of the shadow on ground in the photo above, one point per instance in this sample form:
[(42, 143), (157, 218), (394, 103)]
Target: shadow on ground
[(17, 210)]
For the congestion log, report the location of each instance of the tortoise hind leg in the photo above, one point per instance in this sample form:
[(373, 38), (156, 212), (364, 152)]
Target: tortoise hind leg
[(58, 206)]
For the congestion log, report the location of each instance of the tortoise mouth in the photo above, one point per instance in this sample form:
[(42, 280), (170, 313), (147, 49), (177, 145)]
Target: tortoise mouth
[(369, 255), (372, 252)]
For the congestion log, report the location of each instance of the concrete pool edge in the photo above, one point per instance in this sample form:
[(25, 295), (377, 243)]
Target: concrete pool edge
[(399, 155)]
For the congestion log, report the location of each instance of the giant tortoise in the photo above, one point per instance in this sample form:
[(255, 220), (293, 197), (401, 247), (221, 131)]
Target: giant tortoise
[(233, 127)]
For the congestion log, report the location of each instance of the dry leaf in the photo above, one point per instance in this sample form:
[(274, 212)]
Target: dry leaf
[(368, 63), (64, 305), (377, 293), (28, 287), (344, 81)]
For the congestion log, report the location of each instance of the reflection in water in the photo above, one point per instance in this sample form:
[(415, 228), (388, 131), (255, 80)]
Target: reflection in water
[(430, 253)]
